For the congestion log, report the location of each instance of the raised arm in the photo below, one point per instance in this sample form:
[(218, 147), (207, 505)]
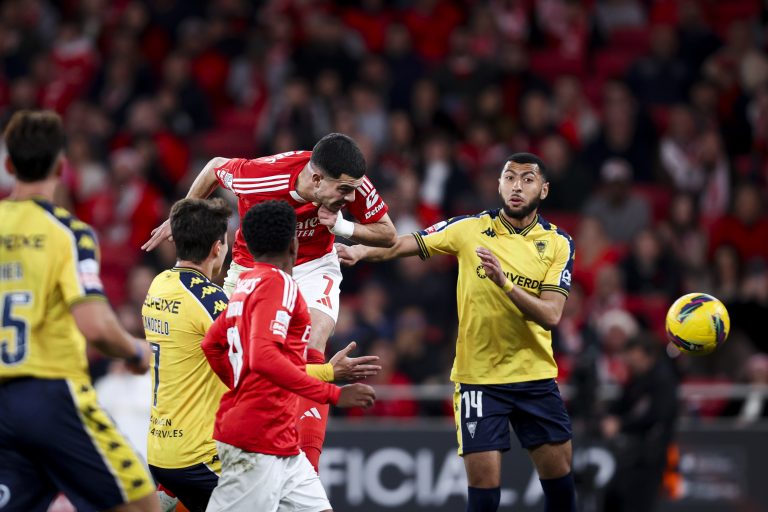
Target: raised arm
[(405, 245), (205, 183)]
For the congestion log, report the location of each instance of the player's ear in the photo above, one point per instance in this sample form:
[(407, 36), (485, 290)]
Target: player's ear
[(58, 166), (544, 190), (9, 166), (293, 248)]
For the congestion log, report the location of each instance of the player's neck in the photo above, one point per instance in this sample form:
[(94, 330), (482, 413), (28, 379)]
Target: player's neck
[(205, 268), (304, 185), (45, 189), (520, 223), (284, 263)]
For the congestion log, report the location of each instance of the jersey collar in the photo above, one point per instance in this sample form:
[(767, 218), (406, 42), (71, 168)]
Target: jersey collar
[(521, 231), (188, 269)]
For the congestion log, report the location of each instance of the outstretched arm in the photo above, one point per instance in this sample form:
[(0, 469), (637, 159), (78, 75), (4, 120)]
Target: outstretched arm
[(405, 245), (202, 187)]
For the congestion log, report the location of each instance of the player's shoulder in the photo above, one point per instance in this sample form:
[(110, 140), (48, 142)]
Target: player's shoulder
[(206, 293), (70, 229), (282, 161), (554, 231)]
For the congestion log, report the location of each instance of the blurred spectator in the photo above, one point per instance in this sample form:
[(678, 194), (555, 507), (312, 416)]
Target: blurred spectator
[(569, 183), (683, 235), (418, 358), (595, 252), (754, 406), (746, 228), (640, 428), (405, 66), (444, 184), (125, 397), (626, 133), (622, 213), (649, 268), (660, 78), (575, 118), (612, 15), (388, 376)]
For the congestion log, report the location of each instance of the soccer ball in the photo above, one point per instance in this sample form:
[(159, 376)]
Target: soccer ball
[(697, 323)]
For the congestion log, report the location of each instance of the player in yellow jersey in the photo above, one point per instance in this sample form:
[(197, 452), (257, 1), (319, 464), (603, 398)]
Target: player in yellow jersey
[(180, 306), (54, 436), (514, 277)]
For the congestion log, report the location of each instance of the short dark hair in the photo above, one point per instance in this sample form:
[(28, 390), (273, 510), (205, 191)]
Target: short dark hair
[(196, 224), (529, 158), (336, 154), (34, 140), (269, 227)]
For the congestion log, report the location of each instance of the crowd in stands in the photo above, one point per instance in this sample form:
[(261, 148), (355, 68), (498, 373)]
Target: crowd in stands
[(652, 116)]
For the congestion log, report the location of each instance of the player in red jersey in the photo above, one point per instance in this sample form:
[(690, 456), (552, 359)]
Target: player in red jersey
[(317, 184), (258, 349)]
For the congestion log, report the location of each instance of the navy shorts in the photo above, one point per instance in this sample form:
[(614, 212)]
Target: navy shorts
[(484, 413), (54, 438), (192, 485)]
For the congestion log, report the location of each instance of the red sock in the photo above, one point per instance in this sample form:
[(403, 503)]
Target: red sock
[(312, 420)]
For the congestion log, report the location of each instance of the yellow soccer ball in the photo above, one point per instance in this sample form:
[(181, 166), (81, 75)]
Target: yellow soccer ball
[(697, 323)]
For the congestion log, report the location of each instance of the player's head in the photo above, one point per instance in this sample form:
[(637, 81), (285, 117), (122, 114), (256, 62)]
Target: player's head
[(523, 184), (35, 141), (199, 230), (337, 167), (269, 229)]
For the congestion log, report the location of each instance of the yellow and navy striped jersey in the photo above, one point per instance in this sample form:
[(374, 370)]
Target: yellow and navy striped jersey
[(181, 305), (496, 344), (49, 261)]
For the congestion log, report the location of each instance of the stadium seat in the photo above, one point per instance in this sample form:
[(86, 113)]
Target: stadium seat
[(633, 41), (612, 63), (551, 64), (567, 221)]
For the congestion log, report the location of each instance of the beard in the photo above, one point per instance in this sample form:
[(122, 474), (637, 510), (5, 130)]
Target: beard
[(522, 211)]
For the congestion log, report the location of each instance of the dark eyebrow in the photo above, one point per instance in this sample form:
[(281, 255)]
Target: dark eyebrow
[(524, 173)]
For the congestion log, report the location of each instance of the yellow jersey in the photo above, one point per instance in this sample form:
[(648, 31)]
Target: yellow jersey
[(180, 306), (49, 261), (496, 344)]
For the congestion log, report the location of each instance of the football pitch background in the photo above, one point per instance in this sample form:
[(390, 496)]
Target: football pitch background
[(379, 466)]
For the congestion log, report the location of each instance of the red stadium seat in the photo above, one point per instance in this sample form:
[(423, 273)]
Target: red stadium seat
[(551, 64), (633, 41), (612, 63)]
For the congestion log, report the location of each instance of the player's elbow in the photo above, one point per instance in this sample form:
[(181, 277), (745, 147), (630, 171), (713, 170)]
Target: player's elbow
[(388, 236), (551, 319)]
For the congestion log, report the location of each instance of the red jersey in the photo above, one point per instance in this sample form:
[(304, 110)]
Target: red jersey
[(274, 177), (258, 349)]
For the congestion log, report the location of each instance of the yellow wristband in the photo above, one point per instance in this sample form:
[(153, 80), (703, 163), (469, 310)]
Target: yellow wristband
[(508, 286), (324, 372)]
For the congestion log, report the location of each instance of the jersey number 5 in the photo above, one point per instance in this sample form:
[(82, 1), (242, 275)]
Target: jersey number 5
[(18, 326)]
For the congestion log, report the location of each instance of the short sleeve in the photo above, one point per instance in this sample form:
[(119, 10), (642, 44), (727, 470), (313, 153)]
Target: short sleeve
[(441, 238), (368, 206), (233, 169), (271, 308), (558, 278), (79, 278)]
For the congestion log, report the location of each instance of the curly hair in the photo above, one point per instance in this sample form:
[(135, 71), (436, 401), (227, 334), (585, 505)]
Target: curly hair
[(196, 224), (336, 154), (269, 227), (529, 158)]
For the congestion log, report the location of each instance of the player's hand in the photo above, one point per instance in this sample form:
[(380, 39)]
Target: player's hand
[(327, 217), (491, 266), (356, 395), (349, 254), (353, 368), (160, 233), (140, 364)]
